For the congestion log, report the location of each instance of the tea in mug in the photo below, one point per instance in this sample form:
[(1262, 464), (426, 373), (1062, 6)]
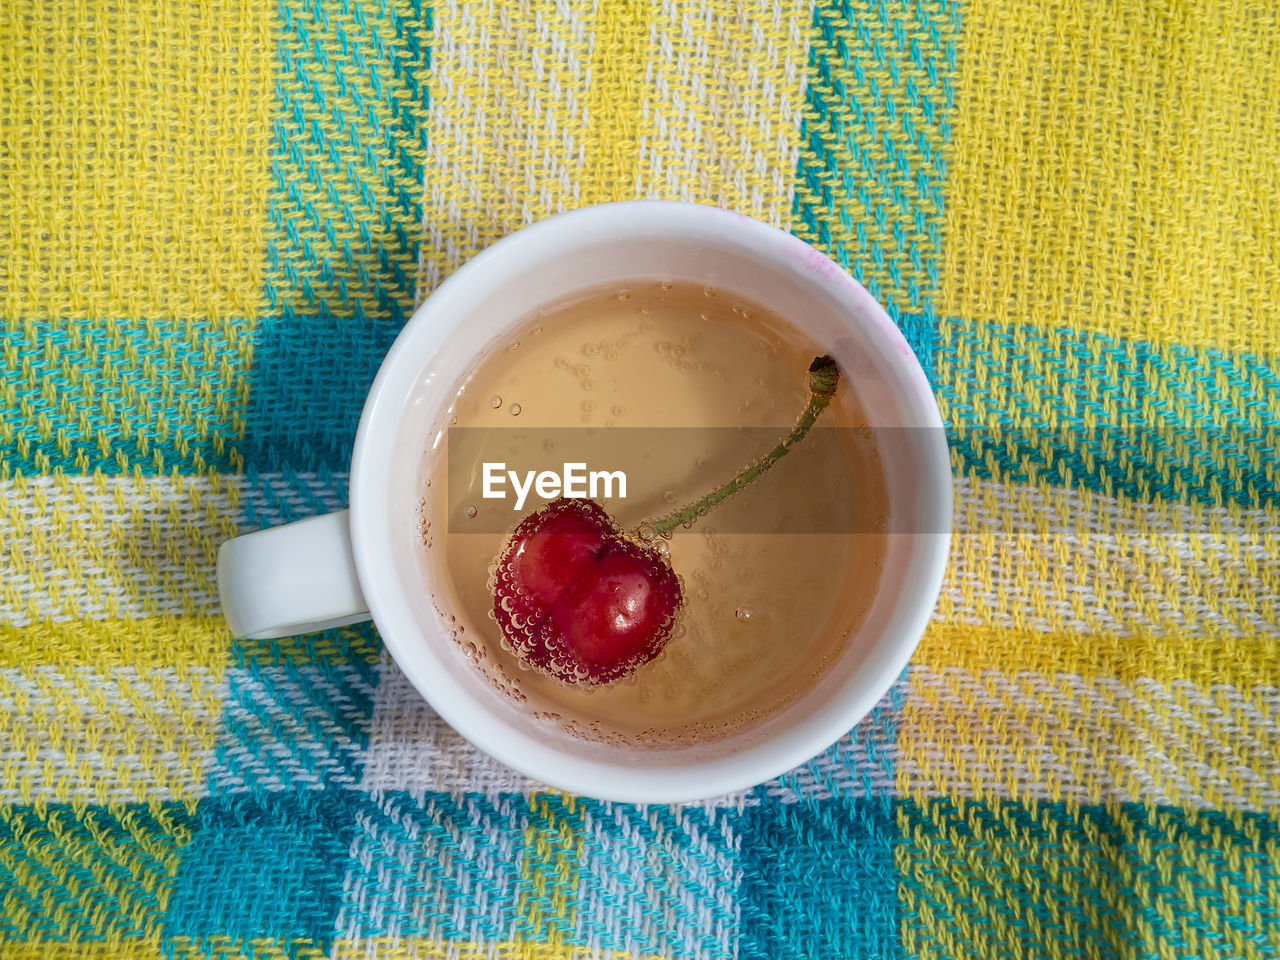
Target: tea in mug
[(642, 398)]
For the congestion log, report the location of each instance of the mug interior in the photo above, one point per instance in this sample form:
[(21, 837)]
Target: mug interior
[(473, 313)]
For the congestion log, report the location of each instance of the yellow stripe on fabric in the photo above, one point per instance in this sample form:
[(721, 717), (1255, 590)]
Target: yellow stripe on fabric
[(549, 870), (112, 548), (722, 113), (136, 177), (1242, 662), (539, 107), (1114, 168), (166, 641), (412, 948), (113, 735), (1135, 589), (615, 96), (178, 642), (991, 735), (223, 947), (117, 949), (505, 125)]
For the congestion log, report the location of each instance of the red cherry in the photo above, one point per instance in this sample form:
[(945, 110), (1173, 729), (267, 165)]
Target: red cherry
[(581, 603), (578, 601)]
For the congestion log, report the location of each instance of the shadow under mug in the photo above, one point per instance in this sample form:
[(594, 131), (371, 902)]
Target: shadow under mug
[(365, 563)]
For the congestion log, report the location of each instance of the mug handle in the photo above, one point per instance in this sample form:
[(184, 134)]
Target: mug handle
[(297, 578)]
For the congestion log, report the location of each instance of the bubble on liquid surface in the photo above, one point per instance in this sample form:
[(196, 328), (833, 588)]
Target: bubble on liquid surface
[(743, 613), (514, 409), (495, 401), (666, 285), (709, 291), (624, 295), (670, 496), (470, 512)]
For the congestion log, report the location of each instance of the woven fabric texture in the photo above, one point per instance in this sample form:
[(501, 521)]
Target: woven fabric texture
[(214, 218)]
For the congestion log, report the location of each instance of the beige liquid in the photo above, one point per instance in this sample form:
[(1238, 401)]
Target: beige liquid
[(764, 612)]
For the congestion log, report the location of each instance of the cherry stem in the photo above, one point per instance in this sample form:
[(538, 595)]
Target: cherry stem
[(824, 376)]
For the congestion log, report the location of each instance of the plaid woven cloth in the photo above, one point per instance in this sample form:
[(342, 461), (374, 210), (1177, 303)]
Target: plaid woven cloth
[(214, 218)]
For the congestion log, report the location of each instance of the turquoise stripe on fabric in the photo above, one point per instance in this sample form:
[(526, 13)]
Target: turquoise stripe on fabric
[(341, 281), (869, 161), (152, 395), (657, 880), (345, 210), (269, 865), (296, 726), (818, 877), (816, 854), (860, 764), (818, 880), (1126, 418)]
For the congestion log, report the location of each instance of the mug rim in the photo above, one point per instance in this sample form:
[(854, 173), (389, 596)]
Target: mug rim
[(431, 323)]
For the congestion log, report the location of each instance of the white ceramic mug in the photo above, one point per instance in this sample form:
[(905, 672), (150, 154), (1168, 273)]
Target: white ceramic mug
[(349, 566)]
